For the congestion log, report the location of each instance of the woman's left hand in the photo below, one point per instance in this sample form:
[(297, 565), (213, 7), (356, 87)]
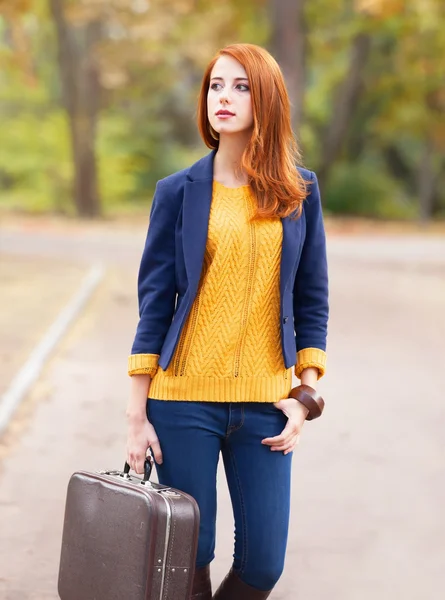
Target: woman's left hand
[(296, 414)]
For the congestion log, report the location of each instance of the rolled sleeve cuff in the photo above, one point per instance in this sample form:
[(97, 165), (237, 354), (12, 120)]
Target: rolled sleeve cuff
[(311, 357), (143, 364)]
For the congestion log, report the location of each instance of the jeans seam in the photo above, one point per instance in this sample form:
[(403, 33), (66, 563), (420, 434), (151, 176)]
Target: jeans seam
[(233, 428), (243, 512)]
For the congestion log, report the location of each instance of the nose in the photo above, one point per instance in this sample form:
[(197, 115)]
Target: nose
[(224, 97)]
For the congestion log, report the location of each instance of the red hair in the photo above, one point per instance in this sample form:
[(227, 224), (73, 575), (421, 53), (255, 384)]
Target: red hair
[(272, 154)]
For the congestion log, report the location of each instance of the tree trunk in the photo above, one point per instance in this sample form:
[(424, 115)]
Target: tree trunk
[(288, 45), (345, 102), (80, 91), (426, 183)]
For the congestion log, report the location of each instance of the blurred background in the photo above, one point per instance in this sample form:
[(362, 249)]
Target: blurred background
[(98, 97), (97, 102)]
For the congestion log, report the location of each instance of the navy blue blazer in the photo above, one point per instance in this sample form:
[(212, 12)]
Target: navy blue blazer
[(172, 260)]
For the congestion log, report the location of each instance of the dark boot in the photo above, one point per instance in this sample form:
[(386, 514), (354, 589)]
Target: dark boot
[(233, 588), (202, 586)]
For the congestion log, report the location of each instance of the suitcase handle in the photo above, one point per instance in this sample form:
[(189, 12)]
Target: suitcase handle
[(148, 466)]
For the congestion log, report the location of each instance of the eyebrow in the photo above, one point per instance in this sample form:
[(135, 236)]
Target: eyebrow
[(236, 78)]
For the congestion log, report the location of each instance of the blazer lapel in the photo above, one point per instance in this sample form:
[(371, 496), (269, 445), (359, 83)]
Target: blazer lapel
[(196, 210), (197, 201)]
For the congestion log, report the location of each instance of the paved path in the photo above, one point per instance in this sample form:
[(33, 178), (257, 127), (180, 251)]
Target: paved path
[(34, 290), (122, 246), (368, 479)]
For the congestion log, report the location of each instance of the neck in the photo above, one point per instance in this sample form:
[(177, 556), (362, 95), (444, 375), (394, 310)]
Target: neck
[(228, 157)]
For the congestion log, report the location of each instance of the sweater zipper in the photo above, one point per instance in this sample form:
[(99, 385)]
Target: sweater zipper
[(247, 297), (183, 347)]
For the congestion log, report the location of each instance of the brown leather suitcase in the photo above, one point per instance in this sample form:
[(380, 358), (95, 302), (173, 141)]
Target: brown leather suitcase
[(126, 538)]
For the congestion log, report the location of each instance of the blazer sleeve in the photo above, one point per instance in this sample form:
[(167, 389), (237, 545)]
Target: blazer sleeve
[(310, 294), (156, 284)]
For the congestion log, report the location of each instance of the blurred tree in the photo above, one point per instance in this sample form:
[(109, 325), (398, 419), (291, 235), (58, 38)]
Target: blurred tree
[(406, 85), (16, 36), (341, 36), (288, 45), (381, 101), (367, 74), (79, 77), (346, 99)]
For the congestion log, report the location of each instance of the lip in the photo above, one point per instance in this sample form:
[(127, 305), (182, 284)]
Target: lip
[(224, 114)]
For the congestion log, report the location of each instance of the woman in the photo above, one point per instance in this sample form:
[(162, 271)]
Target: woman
[(233, 293)]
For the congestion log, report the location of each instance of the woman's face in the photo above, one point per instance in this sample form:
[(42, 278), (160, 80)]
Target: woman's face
[(229, 103)]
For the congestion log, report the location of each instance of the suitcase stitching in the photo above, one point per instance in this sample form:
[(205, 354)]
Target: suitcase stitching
[(172, 541)]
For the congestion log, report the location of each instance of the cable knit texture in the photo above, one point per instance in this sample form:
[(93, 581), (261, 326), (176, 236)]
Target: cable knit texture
[(230, 347)]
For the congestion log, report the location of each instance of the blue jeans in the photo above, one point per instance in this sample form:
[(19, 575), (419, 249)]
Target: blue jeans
[(192, 435)]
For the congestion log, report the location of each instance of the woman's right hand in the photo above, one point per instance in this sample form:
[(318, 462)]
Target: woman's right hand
[(141, 436), (141, 433)]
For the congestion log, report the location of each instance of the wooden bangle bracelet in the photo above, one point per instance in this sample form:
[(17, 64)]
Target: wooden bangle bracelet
[(310, 399)]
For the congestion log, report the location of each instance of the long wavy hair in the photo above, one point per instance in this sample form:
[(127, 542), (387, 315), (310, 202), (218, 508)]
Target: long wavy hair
[(272, 154)]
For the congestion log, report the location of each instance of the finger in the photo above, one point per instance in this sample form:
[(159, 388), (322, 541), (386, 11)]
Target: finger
[(277, 440), (136, 460), (131, 460), (291, 449), (280, 440), (155, 446), (290, 444), (288, 449), (297, 441), (130, 455), (139, 465), (282, 448), (289, 431)]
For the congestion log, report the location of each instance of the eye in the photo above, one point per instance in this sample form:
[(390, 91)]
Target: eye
[(243, 85), (214, 86)]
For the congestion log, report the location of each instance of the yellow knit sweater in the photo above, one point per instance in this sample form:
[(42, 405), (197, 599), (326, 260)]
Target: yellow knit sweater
[(229, 349)]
